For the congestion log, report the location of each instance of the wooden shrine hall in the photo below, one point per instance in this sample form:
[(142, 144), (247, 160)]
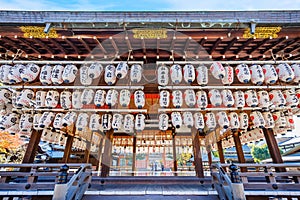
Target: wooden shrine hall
[(167, 138)]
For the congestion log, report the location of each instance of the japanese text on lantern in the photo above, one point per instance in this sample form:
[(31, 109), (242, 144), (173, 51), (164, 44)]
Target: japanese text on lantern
[(149, 33), (262, 32), (38, 32)]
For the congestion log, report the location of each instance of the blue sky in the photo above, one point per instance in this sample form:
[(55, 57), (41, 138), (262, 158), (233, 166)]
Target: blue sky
[(141, 5)]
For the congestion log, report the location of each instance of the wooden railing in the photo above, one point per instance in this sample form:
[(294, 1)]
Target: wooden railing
[(258, 177), (18, 179)]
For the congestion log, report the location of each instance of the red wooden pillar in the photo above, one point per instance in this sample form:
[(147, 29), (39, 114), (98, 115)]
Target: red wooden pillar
[(174, 153), (197, 154), (106, 156), (32, 146), (239, 149), (133, 155), (273, 148), (220, 151)]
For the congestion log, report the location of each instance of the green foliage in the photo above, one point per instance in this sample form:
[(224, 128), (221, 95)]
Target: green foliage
[(260, 153)]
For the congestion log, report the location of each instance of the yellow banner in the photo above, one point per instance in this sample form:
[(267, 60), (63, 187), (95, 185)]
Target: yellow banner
[(38, 32), (149, 33), (262, 32)]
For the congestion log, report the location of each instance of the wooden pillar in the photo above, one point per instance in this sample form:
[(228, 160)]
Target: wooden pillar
[(133, 155), (220, 151), (197, 154), (32, 146), (273, 148), (88, 149), (174, 154), (209, 156), (68, 149), (106, 156), (239, 149), (100, 147)]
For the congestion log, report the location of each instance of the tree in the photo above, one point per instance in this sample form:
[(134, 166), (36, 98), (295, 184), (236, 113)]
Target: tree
[(260, 153), (10, 146)]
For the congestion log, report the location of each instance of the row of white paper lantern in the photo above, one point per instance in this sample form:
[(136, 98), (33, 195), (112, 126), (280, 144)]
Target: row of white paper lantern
[(14, 123), (231, 120), (255, 74), (59, 74), (67, 99)]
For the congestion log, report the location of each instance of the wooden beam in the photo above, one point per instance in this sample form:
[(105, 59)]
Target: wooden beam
[(288, 45), (72, 45), (197, 154), (32, 146), (239, 149), (133, 155), (42, 44), (106, 156), (172, 43), (229, 45), (144, 46), (100, 45), (86, 46), (297, 49), (274, 45), (246, 43), (68, 148), (187, 43), (174, 153), (11, 43), (200, 46), (29, 45), (61, 48), (261, 43), (216, 43), (220, 151), (273, 148), (157, 45)]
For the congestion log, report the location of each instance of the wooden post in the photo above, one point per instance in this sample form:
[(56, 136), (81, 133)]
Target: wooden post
[(197, 154), (99, 154), (68, 149), (174, 154), (32, 146), (133, 155), (106, 156), (220, 151), (88, 149), (239, 149), (273, 148)]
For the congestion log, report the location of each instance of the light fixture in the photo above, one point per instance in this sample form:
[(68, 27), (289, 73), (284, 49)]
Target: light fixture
[(16, 36), (52, 56), (47, 28), (237, 56), (286, 37), (223, 56), (264, 56), (252, 27), (39, 56), (131, 57), (92, 57), (26, 56), (66, 56), (144, 57), (237, 37), (250, 56), (79, 56)]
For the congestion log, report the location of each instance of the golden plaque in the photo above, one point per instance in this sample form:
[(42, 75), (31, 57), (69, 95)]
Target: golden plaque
[(38, 32), (262, 32), (149, 33)]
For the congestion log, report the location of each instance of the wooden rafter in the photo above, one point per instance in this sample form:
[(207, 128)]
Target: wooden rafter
[(219, 40), (294, 50), (72, 45), (274, 45), (258, 46), (29, 45), (229, 45), (42, 44), (201, 43), (187, 43), (86, 46), (291, 43), (143, 45), (100, 46), (243, 46), (62, 50), (11, 43)]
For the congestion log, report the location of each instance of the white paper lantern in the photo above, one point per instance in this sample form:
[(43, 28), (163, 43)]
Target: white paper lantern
[(177, 99), (217, 70), (69, 73), (164, 98), (257, 75), (136, 73), (263, 99), (129, 123), (52, 99), (270, 73), (290, 124), (140, 122), (69, 119), (269, 121), (163, 75), (95, 122), (56, 75), (285, 72), (251, 98), (296, 70), (40, 99), (45, 75), (210, 120), (62, 139), (202, 75), (106, 121), (176, 73), (82, 121), (95, 70), (46, 119), (176, 119), (99, 99), (190, 98), (239, 99), (13, 130), (139, 99), (229, 75), (111, 97), (9, 120), (234, 120), (66, 99), (243, 73), (36, 121), (117, 121), (277, 98), (222, 119), (121, 70), (199, 121), (109, 74), (25, 98), (124, 98), (189, 73), (14, 97), (26, 121), (279, 119), (30, 72), (188, 119), (257, 119), (227, 98), (85, 79), (291, 98), (76, 99), (202, 101), (5, 97), (57, 122), (14, 75), (215, 97), (244, 119), (87, 96), (163, 122), (4, 71)]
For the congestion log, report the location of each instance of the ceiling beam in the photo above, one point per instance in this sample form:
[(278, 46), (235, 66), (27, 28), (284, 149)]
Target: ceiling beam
[(261, 43), (29, 45), (61, 48), (246, 43), (172, 43), (274, 45), (291, 43), (143, 45), (100, 45), (42, 44), (229, 45), (72, 45), (219, 40), (200, 46), (86, 46)]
